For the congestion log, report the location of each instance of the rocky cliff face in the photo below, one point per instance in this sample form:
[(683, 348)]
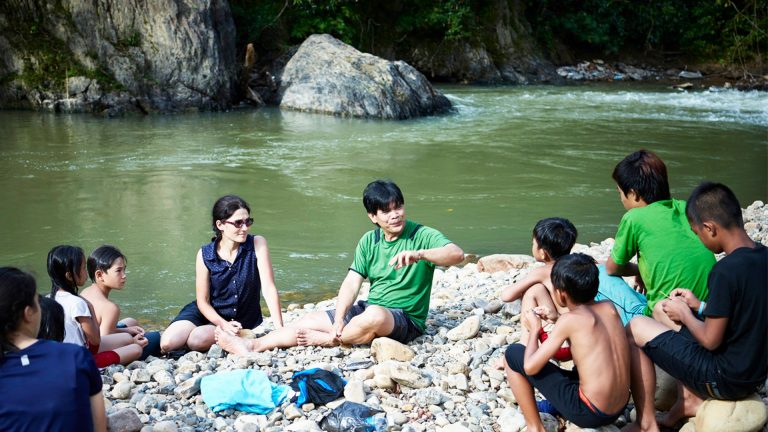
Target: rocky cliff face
[(117, 55)]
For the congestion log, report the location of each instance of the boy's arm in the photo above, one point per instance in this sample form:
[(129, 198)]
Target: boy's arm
[(537, 356), (109, 317), (709, 333), (516, 290)]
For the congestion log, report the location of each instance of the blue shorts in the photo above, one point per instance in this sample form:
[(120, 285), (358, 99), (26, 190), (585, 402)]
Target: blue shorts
[(561, 388), (405, 330), (681, 356), (628, 302)]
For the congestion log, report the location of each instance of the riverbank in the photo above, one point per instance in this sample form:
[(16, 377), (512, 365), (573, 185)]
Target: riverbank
[(446, 381)]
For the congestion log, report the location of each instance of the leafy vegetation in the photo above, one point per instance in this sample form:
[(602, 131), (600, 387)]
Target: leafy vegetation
[(730, 31)]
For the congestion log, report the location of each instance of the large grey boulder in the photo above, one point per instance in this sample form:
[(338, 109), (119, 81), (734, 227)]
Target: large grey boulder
[(95, 55), (328, 76)]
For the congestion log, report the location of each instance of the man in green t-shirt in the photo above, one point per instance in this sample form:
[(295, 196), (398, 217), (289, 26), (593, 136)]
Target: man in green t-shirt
[(398, 257)]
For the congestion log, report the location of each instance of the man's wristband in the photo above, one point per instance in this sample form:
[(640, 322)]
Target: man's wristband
[(701, 308)]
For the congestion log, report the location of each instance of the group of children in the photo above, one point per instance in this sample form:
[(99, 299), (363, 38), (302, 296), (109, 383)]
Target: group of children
[(702, 322), (90, 318)]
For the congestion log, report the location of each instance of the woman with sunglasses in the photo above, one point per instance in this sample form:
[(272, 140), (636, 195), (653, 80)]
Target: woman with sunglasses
[(230, 273)]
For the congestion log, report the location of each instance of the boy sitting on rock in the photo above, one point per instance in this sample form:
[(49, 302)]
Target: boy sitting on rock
[(722, 356), (597, 393)]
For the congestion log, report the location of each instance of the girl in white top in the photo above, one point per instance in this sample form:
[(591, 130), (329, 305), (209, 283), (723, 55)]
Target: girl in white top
[(66, 267)]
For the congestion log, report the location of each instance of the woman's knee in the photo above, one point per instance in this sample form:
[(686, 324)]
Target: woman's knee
[(201, 338)]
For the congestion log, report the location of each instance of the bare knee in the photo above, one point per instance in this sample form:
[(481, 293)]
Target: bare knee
[(129, 322), (176, 335), (201, 338)]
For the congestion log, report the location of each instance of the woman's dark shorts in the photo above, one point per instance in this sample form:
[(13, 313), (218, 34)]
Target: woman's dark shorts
[(191, 313), (405, 330)]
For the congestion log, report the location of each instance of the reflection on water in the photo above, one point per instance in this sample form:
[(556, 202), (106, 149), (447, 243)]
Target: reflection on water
[(484, 175)]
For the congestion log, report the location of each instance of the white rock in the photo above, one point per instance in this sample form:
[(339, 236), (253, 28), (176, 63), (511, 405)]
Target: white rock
[(466, 330)]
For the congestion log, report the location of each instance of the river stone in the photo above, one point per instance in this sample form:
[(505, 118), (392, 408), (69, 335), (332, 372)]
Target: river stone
[(188, 388), (666, 390), (455, 427), (409, 376), (503, 262), (384, 349), (165, 426), (122, 390), (124, 420), (466, 330), (250, 423), (328, 76), (570, 427), (746, 415), (354, 391)]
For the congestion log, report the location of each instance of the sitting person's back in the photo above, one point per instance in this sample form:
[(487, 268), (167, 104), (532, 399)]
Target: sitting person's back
[(656, 230), (46, 385)]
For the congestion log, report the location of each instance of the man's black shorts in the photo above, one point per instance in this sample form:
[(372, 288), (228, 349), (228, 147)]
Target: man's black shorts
[(404, 331)]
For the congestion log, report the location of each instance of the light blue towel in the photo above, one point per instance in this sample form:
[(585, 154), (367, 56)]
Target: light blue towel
[(248, 390), (629, 303)]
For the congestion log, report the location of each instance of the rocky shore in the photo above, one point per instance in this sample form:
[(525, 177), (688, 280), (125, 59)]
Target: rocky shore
[(443, 381)]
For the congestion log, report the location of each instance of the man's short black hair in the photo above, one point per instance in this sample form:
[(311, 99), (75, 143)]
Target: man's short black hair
[(644, 173), (555, 235), (714, 202), (382, 195), (577, 275)]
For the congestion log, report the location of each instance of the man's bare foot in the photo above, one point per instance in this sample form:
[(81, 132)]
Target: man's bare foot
[(684, 407), (307, 337), (230, 343)]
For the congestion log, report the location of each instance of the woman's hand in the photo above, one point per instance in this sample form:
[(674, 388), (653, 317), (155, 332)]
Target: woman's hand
[(231, 327)]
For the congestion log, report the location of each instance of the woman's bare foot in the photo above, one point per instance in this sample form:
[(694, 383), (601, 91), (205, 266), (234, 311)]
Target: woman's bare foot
[(230, 343), (310, 337)]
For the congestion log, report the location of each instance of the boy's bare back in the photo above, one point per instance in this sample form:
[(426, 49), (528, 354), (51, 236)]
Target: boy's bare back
[(600, 352)]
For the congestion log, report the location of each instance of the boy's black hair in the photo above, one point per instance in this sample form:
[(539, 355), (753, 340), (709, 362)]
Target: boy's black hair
[(382, 195), (577, 275), (102, 259), (644, 173), (51, 320), (555, 235), (714, 202)]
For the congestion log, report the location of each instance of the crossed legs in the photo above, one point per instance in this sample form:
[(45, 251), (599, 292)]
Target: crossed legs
[(315, 329)]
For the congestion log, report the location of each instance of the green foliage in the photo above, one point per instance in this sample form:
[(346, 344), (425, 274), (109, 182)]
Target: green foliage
[(700, 29)]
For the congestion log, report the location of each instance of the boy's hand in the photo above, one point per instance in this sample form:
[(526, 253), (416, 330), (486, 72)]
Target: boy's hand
[(687, 296), (545, 313), (140, 340), (534, 321), (676, 309), (134, 330), (640, 285)]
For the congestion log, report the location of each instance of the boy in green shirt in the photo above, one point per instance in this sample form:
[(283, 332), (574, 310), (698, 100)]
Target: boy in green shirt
[(656, 229), (398, 257)]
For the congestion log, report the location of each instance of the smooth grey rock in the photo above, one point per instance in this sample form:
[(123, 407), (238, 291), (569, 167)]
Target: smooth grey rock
[(328, 76), (124, 420), (165, 426), (122, 390), (466, 330)]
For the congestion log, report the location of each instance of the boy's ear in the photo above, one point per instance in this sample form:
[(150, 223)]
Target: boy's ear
[(98, 274), (710, 228)]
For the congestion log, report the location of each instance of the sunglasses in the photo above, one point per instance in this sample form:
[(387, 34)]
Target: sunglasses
[(240, 222)]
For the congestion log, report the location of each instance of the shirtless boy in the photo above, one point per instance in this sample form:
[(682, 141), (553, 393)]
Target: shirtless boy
[(596, 394), (106, 268)]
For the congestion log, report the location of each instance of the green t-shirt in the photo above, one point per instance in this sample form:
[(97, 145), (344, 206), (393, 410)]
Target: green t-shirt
[(670, 255), (407, 288)]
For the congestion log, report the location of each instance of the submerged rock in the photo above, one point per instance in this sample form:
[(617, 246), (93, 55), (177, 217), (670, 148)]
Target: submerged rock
[(328, 76)]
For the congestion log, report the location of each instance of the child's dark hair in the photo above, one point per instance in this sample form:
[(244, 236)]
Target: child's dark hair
[(555, 235), (62, 260), (102, 259), (382, 195), (17, 291), (714, 202), (577, 275), (225, 207), (644, 173), (51, 320)]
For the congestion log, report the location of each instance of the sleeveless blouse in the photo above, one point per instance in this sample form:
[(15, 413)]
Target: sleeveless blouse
[(235, 288)]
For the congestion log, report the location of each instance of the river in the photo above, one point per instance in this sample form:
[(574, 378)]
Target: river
[(483, 175)]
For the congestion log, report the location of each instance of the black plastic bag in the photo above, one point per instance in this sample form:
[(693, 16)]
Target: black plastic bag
[(350, 417)]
